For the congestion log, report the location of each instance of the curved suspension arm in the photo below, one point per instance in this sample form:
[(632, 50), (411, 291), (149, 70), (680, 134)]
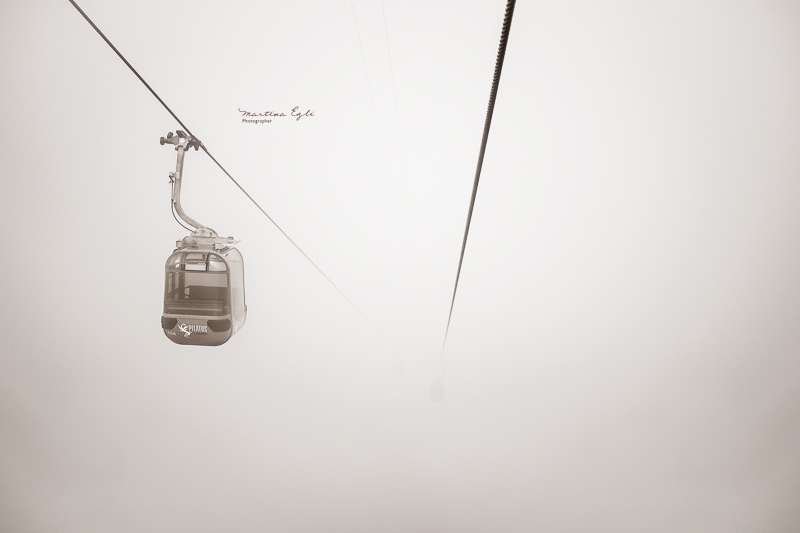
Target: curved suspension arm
[(176, 191), (182, 141)]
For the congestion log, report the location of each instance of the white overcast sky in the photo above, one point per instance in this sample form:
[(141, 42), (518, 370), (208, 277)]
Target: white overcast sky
[(624, 349)]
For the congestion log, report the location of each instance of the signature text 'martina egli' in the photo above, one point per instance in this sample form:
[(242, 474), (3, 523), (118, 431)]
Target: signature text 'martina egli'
[(296, 113)]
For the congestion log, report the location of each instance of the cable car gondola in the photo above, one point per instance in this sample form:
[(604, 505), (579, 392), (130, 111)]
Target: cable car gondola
[(204, 299)]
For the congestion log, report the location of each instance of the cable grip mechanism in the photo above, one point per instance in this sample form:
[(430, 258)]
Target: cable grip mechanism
[(182, 139)]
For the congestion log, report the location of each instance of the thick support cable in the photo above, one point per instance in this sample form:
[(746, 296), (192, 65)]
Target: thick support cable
[(501, 53), (93, 25)]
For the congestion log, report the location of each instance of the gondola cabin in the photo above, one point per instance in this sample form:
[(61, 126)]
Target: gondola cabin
[(203, 294)]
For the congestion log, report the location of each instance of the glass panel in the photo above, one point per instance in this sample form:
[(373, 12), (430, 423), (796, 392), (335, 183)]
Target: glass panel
[(194, 261), (216, 263), (196, 293), (174, 261), (237, 283)]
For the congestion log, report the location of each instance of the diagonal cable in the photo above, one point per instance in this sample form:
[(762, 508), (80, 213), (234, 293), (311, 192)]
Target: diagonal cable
[(292, 241), (501, 53), (369, 86), (394, 89), (129, 66), (219, 165)]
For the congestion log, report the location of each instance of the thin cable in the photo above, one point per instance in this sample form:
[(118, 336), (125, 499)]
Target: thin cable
[(369, 86), (394, 90), (220, 166), (172, 206), (184, 226), (294, 243), (501, 53)]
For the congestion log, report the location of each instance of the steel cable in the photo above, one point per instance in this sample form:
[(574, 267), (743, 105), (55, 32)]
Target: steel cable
[(85, 16), (501, 53)]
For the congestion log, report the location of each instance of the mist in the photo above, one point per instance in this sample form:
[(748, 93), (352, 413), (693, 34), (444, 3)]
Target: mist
[(623, 349)]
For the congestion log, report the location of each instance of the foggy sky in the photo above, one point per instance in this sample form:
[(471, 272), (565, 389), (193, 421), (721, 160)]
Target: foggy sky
[(623, 354)]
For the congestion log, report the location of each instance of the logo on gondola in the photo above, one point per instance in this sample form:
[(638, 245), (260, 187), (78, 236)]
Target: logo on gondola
[(188, 329)]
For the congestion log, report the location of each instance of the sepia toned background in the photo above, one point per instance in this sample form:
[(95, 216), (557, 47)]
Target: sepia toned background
[(623, 352)]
